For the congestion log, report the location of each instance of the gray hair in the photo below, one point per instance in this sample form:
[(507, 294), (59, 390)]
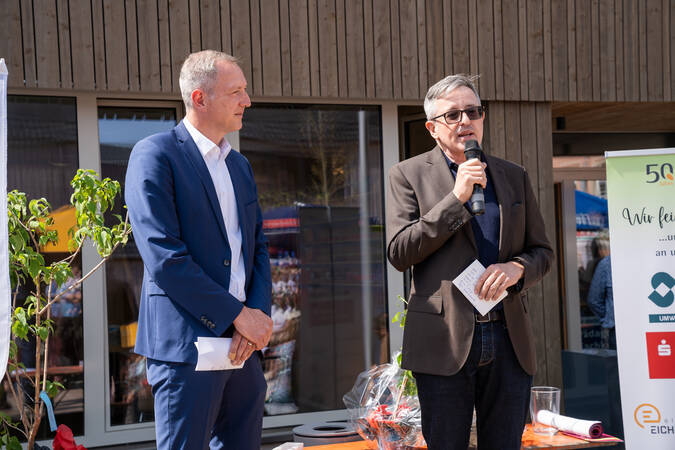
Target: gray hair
[(442, 88), (199, 71)]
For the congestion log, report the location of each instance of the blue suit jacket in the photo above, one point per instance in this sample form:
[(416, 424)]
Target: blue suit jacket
[(179, 230)]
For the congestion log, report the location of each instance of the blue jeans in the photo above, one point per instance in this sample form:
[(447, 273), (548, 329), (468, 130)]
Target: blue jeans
[(493, 381)]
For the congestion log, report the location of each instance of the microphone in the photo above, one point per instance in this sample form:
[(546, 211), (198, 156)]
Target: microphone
[(472, 150)]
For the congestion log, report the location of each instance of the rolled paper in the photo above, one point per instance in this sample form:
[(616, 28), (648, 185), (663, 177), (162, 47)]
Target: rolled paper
[(587, 428)]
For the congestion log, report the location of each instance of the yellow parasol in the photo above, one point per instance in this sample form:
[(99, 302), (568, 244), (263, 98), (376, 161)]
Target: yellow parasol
[(64, 219)]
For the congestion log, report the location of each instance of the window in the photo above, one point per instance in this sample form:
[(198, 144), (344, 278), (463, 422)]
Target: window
[(318, 170), (42, 159)]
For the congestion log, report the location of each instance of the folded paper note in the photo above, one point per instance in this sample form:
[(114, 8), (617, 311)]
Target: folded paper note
[(290, 446), (466, 283), (585, 428), (214, 354)]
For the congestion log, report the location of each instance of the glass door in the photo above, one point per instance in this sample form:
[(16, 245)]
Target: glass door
[(585, 259)]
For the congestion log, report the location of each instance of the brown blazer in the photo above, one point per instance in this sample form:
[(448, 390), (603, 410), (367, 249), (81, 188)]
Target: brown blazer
[(428, 230)]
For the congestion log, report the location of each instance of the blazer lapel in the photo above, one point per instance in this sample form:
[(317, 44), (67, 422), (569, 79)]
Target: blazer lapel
[(504, 197), (197, 160), (443, 181)]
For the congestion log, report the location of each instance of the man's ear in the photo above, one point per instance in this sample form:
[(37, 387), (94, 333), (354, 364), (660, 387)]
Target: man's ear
[(431, 126), (198, 99)]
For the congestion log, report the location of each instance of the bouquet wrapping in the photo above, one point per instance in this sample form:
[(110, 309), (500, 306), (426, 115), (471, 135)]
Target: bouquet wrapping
[(384, 408)]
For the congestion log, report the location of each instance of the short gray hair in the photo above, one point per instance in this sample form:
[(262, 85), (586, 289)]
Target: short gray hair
[(199, 71), (442, 88)]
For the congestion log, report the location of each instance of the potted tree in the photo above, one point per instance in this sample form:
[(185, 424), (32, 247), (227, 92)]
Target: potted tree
[(29, 230)]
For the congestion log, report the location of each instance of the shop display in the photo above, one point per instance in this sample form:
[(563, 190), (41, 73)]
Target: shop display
[(278, 355)]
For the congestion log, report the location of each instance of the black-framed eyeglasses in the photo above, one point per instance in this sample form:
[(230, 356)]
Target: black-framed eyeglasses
[(455, 115)]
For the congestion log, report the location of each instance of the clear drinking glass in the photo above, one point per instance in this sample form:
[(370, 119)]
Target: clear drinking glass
[(544, 398)]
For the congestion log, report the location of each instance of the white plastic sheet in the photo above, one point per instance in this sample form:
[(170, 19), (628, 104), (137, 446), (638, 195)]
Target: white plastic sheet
[(5, 288)]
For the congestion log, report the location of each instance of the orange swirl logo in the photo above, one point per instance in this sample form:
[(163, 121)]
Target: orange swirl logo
[(646, 413)]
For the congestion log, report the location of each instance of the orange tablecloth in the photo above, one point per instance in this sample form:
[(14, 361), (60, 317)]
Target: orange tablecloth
[(531, 441), (558, 441)]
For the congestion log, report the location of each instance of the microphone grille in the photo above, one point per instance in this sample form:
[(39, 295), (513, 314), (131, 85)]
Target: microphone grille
[(471, 146)]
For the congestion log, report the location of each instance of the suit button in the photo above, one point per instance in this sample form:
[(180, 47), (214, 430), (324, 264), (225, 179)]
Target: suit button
[(226, 262)]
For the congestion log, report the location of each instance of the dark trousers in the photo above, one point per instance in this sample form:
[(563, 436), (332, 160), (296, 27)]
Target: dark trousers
[(211, 409), (493, 381)]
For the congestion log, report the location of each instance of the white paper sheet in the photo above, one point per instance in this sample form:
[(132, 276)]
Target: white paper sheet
[(214, 354), (587, 428), (466, 282)]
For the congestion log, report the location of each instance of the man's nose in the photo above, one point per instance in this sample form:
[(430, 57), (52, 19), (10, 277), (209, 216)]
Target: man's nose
[(464, 118), (246, 101)]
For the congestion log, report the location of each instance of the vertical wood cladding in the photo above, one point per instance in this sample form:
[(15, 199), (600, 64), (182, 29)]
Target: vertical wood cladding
[(528, 53), (524, 50), (521, 132)]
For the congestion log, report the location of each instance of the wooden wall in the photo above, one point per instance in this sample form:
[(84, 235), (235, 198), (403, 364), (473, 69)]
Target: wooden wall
[(521, 132), (528, 50)]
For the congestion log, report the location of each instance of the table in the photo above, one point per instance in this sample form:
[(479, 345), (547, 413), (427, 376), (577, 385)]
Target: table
[(531, 441)]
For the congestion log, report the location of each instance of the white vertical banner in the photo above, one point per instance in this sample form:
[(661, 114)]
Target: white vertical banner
[(641, 196), (5, 288)]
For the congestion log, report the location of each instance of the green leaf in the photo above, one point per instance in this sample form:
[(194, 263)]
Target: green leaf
[(11, 442), (61, 273), (43, 240), (33, 207), (53, 387), (16, 242), (42, 333), (34, 267), (20, 323)]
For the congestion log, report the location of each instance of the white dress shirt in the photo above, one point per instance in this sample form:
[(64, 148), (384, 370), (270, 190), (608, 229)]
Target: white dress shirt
[(214, 157)]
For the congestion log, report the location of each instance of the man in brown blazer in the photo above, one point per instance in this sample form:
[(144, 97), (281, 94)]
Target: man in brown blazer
[(459, 358)]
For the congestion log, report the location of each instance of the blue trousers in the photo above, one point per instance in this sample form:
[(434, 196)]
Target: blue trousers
[(210, 409), (493, 381)]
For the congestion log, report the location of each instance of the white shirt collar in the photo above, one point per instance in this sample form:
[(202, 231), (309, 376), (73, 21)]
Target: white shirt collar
[(204, 144)]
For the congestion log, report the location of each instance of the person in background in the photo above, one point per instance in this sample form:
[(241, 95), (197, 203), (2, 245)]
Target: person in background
[(599, 249), (601, 301)]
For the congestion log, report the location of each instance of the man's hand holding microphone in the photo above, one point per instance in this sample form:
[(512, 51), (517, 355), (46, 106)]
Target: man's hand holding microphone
[(471, 178)]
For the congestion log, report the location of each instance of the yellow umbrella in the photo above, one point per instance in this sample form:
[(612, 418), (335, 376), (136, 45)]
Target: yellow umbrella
[(64, 220)]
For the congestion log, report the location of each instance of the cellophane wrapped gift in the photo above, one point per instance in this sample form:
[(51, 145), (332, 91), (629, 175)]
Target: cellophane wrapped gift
[(384, 408)]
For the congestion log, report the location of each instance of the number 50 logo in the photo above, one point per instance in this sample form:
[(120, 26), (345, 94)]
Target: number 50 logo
[(660, 172)]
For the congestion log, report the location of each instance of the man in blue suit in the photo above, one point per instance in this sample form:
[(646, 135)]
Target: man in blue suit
[(197, 223)]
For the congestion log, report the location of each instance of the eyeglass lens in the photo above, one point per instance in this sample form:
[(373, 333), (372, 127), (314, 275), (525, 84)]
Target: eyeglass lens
[(472, 113)]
